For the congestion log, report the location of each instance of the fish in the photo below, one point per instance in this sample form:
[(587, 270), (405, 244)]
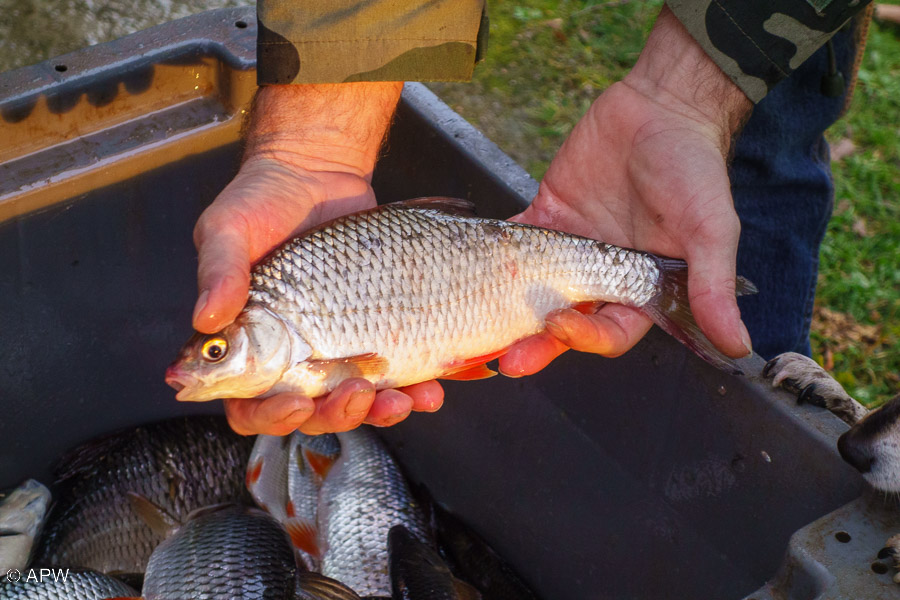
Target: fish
[(223, 552), (363, 496), (417, 290), (419, 573), (473, 560), (178, 465), (64, 584), (22, 515), (315, 586), (284, 476), (311, 459)]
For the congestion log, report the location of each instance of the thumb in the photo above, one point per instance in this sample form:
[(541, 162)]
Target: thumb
[(711, 289), (223, 276)]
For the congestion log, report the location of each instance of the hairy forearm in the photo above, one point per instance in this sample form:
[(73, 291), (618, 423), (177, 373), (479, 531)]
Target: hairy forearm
[(674, 69), (322, 126)]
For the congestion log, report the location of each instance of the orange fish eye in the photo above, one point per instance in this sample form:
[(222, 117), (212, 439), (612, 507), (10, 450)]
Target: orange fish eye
[(214, 349)]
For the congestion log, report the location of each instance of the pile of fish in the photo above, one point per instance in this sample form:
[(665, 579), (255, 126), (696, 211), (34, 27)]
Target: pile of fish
[(165, 509)]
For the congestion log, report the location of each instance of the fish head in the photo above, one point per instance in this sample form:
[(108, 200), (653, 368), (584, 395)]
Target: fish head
[(244, 360)]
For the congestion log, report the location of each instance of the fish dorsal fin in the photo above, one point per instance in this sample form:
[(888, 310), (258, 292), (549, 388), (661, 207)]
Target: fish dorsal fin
[(156, 517), (456, 206)]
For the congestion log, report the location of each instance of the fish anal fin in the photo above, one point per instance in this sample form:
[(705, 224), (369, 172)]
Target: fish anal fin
[(320, 463), (304, 536), (367, 366), (456, 206), (156, 517)]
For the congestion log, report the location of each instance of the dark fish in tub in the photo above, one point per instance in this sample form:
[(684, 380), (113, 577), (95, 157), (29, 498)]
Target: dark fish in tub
[(419, 573), (223, 553), (22, 515), (475, 562), (418, 290), (64, 584), (179, 465)]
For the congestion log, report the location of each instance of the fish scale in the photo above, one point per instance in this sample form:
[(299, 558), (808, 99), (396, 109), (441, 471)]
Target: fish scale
[(431, 265), (179, 465), (75, 585), (417, 293), (364, 496)]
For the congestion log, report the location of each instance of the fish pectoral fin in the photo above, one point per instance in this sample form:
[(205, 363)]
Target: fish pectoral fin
[(156, 517), (320, 463), (304, 536), (470, 374), (367, 366)]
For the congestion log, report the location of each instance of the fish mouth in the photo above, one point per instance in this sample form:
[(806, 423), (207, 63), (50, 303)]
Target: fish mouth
[(181, 382)]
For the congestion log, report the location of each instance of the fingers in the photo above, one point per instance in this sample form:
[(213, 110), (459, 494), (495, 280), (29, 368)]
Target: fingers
[(352, 403), (612, 331), (530, 355), (427, 396), (278, 415), (223, 276), (711, 288)]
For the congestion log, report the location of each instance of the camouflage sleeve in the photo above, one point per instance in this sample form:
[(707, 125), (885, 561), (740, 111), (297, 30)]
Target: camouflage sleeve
[(334, 41), (757, 43)]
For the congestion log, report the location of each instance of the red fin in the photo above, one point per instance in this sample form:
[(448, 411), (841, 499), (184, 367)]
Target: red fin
[(362, 365), (304, 536), (253, 472), (588, 308), (289, 510), (470, 374), (472, 368), (320, 463)]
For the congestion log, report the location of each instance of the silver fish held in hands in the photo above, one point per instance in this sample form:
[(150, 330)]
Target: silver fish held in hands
[(419, 290)]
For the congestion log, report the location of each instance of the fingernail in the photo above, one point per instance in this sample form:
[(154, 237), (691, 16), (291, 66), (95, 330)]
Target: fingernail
[(745, 339), (299, 416), (201, 304), (557, 332), (359, 403)]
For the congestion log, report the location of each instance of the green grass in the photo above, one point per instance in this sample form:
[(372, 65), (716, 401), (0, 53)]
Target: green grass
[(548, 60), (860, 271)]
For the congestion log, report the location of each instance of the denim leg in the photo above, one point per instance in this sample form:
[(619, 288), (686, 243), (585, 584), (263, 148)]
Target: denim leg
[(783, 194)]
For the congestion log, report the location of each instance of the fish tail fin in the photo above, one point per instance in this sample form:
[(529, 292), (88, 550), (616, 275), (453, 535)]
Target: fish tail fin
[(671, 311)]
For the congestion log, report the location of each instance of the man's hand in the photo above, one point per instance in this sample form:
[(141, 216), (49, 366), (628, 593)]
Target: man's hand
[(646, 168), (309, 158)]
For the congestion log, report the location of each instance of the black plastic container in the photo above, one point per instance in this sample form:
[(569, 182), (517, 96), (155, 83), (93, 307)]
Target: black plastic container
[(649, 476)]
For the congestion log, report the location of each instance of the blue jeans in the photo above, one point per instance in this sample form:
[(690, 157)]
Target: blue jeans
[(783, 194)]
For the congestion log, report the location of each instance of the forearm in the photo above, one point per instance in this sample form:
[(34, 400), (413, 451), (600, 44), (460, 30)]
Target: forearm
[(674, 70), (322, 127), (760, 42)]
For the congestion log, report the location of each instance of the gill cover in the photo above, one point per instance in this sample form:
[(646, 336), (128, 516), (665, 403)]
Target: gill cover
[(244, 360)]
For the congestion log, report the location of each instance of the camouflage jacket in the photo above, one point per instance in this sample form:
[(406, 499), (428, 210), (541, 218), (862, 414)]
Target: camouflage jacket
[(760, 42), (333, 41), (755, 42)]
